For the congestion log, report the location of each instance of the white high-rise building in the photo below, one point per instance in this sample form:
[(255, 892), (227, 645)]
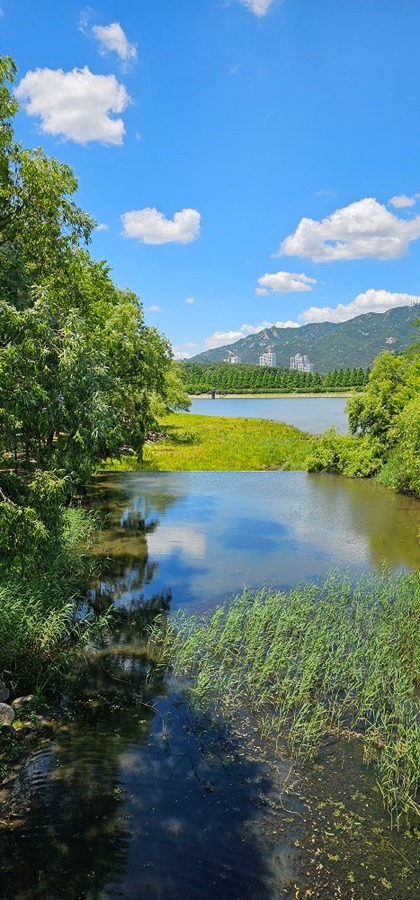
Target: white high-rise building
[(268, 358), (301, 363), (233, 358)]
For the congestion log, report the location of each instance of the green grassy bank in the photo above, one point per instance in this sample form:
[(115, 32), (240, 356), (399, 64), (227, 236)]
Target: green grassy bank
[(214, 444), (324, 658)]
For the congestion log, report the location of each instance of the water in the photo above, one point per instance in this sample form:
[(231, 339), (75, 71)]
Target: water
[(137, 796), (313, 414), (205, 535)]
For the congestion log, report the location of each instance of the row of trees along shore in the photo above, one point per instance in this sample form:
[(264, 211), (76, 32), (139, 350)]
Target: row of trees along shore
[(81, 375), (237, 379)]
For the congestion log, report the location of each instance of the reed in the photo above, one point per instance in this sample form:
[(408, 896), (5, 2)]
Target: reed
[(42, 629), (336, 657)]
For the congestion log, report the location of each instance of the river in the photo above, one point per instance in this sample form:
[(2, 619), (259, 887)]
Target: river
[(137, 796), (313, 414)]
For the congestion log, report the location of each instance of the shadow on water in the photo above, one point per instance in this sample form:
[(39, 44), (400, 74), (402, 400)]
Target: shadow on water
[(138, 797)]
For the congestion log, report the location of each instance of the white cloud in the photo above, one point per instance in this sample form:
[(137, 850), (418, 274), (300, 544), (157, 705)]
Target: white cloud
[(154, 308), (84, 18), (284, 283), (151, 227), (369, 301), (101, 227), (180, 354), (112, 38), (77, 105), (258, 7), (189, 300), (401, 201), (365, 229), (325, 193), (220, 338)]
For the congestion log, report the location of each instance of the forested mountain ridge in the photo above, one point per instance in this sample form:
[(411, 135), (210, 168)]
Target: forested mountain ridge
[(328, 345)]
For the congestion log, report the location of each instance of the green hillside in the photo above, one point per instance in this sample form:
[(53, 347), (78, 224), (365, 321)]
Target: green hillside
[(329, 346)]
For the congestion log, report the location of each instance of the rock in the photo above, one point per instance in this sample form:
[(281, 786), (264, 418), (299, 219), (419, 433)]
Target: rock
[(7, 714), (4, 692), (20, 702)]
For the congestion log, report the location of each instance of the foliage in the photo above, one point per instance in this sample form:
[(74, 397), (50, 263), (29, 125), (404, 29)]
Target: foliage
[(79, 374), (330, 657), (207, 444), (201, 377), (385, 425), (78, 365), (354, 457), (42, 629)]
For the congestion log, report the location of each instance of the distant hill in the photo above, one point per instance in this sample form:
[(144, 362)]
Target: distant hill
[(328, 345)]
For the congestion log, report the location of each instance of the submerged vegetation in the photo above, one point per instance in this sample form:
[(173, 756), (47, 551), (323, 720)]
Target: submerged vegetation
[(323, 658), (192, 442)]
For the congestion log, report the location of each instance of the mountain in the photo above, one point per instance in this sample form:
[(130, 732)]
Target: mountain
[(328, 345)]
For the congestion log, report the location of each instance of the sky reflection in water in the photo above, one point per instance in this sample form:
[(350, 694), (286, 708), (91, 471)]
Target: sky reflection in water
[(205, 535)]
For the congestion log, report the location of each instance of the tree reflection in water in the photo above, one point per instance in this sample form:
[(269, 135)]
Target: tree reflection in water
[(135, 797), (122, 553)]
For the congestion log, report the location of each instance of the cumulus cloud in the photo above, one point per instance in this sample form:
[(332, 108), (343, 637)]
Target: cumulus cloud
[(189, 300), (78, 105), (258, 7), (369, 301), (154, 308), (112, 39), (151, 227), (101, 227), (220, 338), (401, 201), (284, 283), (363, 230), (180, 354)]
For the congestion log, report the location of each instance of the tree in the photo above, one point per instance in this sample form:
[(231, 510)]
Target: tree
[(80, 370)]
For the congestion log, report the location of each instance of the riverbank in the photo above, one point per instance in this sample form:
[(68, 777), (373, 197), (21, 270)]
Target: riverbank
[(202, 443), (272, 396)]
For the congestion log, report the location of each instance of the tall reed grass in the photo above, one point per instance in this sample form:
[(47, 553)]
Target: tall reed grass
[(42, 631), (337, 656)]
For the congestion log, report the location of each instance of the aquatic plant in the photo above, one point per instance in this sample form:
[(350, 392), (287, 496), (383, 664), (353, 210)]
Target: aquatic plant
[(331, 657)]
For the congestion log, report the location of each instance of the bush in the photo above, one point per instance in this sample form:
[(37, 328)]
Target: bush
[(346, 455)]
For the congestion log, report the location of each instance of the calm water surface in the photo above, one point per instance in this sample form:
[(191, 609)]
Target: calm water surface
[(138, 798), (205, 535), (313, 414)]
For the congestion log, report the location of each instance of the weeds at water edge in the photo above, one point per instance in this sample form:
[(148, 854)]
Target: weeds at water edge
[(336, 657)]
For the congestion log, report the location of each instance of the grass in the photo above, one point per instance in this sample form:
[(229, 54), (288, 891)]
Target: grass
[(324, 658), (41, 631), (215, 444)]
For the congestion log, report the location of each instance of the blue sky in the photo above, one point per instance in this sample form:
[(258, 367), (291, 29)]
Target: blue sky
[(249, 162)]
